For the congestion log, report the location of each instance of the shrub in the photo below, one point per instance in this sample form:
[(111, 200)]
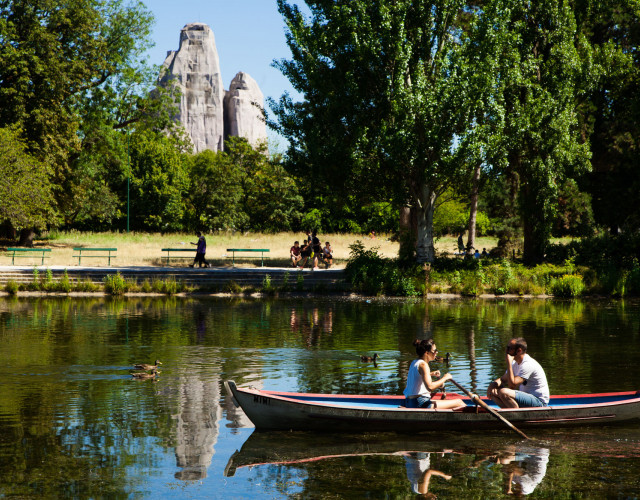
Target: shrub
[(115, 284), (232, 287), (11, 287), (569, 285), (373, 274), (267, 285)]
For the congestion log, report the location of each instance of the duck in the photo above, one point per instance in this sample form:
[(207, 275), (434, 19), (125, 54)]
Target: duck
[(369, 359), (445, 359), (146, 367), (145, 375)]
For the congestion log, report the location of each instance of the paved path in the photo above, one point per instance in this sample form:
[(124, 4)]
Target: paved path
[(327, 278)]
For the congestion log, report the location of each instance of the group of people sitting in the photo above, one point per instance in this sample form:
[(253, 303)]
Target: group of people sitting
[(311, 249)]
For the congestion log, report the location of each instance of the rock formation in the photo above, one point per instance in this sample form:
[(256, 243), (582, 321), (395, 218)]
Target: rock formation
[(208, 114), (196, 69), (244, 109)]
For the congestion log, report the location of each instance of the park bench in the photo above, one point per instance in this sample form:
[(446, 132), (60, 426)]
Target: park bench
[(94, 253), (192, 253), (39, 253), (250, 250)]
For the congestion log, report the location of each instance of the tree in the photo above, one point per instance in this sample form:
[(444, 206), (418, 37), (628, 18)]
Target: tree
[(26, 199), (383, 100), (270, 197), (540, 79), (610, 113), (215, 193), (159, 181), (71, 77)]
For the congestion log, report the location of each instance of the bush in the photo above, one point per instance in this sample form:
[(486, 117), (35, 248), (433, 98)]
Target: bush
[(11, 287), (232, 287), (373, 274), (569, 285), (115, 284)]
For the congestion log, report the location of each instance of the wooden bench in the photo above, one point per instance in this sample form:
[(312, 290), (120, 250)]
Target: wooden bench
[(89, 253), (39, 253), (251, 250), (169, 251)]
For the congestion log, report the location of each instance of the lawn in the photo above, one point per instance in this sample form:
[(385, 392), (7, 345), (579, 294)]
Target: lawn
[(144, 249)]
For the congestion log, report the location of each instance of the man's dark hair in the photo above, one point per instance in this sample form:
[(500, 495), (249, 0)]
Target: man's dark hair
[(521, 343)]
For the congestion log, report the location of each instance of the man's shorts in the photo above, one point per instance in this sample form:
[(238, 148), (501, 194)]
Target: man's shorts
[(526, 400)]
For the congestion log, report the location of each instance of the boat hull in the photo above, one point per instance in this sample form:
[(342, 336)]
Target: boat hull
[(270, 410)]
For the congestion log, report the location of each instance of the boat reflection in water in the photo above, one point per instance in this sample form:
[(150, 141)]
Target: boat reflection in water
[(523, 466)]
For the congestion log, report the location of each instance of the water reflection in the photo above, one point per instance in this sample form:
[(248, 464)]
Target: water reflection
[(419, 472), (73, 423)]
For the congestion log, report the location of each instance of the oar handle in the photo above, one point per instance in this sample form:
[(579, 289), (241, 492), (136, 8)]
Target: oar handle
[(476, 399)]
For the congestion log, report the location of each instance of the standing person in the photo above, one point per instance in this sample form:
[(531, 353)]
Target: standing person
[(294, 252), (524, 384), (420, 385), (201, 250), (316, 248), (327, 254), (461, 248)]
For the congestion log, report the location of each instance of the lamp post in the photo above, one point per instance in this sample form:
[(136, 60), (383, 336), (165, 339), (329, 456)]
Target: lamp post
[(128, 177)]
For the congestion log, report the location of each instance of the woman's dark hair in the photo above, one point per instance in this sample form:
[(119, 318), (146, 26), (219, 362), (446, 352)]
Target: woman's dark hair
[(423, 346)]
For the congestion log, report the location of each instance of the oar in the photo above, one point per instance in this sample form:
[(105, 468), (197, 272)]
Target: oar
[(475, 398)]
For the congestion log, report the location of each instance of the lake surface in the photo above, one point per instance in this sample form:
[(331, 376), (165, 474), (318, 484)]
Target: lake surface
[(74, 424)]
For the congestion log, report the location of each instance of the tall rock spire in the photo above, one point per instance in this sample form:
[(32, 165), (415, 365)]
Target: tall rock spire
[(196, 69), (244, 110)]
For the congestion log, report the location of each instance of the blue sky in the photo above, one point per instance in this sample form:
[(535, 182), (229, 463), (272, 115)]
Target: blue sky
[(249, 35)]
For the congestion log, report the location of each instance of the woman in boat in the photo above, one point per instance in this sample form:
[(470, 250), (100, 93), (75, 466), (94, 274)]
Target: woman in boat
[(420, 384)]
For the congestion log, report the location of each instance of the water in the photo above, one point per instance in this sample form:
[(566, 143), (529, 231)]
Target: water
[(74, 424)]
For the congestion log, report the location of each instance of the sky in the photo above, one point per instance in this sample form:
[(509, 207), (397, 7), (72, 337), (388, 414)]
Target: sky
[(249, 35)]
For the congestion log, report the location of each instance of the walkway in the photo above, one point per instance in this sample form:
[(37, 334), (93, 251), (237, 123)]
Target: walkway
[(211, 278)]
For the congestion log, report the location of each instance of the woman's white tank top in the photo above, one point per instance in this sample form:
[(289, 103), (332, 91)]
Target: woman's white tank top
[(415, 384)]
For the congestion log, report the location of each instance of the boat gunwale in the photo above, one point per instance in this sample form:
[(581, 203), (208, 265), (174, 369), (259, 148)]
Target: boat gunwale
[(290, 398)]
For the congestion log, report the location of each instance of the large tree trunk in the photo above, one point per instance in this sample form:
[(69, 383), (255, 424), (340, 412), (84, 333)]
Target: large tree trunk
[(408, 233), (473, 211), (425, 251), (26, 237)]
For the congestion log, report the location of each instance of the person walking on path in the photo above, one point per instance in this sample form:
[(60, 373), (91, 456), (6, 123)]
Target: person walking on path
[(524, 384), (201, 250)]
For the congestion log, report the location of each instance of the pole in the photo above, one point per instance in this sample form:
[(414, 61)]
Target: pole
[(128, 177)]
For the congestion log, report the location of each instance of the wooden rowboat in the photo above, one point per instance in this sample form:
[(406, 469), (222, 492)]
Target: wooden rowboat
[(275, 410)]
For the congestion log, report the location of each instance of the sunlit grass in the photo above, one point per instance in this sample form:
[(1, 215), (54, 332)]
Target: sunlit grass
[(145, 249)]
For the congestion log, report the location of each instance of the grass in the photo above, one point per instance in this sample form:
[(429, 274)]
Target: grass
[(144, 249)]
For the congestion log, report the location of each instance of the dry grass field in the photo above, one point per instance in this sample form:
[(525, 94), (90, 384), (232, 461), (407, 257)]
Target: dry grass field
[(145, 249)]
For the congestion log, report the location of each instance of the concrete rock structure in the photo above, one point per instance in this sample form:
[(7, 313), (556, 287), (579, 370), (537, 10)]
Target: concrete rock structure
[(244, 110), (207, 112)]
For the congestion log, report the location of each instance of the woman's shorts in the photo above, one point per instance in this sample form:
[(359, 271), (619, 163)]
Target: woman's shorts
[(419, 402)]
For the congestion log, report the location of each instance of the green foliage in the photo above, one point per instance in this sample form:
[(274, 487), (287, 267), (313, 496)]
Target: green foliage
[(115, 284), (70, 75), (372, 274), (569, 286), (232, 286), (383, 99), (26, 197), (159, 182), (452, 217), (11, 287), (267, 286), (241, 189)]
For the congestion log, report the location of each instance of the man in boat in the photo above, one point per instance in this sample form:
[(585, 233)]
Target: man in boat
[(524, 384)]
